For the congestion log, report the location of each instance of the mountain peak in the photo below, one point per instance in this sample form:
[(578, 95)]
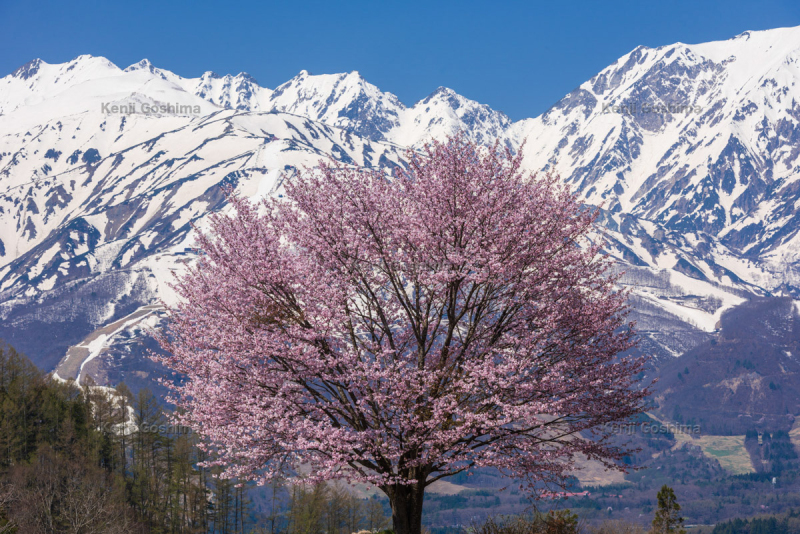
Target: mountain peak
[(141, 65), (89, 58), (443, 91), (445, 94), (82, 57), (28, 70), (246, 77)]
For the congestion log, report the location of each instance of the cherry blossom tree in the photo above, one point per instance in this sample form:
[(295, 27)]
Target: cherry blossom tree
[(398, 328)]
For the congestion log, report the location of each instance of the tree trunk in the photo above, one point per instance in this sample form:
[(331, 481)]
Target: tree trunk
[(406, 501)]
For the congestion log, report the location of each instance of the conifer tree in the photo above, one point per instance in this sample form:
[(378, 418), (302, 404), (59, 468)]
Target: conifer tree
[(667, 518)]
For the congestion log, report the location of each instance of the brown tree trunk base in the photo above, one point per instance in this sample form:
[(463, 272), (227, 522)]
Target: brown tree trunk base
[(406, 502)]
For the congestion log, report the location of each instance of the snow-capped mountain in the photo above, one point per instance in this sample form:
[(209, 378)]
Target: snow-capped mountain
[(690, 150), (702, 140), (240, 92)]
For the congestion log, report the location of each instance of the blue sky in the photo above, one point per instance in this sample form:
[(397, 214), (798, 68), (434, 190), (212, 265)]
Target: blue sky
[(518, 57)]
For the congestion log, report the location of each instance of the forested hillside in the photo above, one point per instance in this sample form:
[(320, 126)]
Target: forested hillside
[(92, 459)]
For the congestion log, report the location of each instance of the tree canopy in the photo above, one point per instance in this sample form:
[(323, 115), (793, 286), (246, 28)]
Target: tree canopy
[(398, 329)]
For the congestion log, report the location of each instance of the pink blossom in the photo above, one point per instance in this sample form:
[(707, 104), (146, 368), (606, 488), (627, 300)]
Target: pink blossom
[(396, 330)]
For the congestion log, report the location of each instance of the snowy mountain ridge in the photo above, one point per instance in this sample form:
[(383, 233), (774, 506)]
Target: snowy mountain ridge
[(691, 151), (345, 100)]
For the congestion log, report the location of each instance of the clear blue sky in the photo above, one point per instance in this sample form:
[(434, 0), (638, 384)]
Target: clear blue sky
[(518, 57)]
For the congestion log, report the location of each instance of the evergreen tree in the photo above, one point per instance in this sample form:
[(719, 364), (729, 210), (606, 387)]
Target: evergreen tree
[(667, 518), (89, 459)]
